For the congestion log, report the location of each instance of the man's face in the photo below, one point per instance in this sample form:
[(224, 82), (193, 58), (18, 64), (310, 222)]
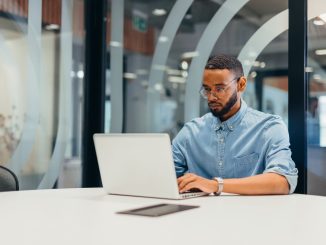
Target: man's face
[(221, 89)]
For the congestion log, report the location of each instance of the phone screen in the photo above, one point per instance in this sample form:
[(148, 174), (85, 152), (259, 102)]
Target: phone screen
[(158, 210)]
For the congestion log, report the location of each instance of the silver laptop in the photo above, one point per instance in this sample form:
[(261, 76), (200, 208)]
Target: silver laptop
[(138, 165)]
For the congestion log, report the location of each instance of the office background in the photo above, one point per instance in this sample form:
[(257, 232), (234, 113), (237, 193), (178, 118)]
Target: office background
[(71, 68)]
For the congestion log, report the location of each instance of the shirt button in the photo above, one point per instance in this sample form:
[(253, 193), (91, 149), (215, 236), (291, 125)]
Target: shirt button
[(231, 127), (221, 140), (220, 163)]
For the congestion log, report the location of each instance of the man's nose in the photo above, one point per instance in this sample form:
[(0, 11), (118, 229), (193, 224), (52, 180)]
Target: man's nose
[(211, 97)]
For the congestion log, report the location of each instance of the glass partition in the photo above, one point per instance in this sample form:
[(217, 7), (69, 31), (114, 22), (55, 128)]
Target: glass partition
[(156, 53), (316, 108), (165, 47), (40, 103)]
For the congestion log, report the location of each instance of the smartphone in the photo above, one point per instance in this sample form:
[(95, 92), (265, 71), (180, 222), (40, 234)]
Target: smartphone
[(158, 210)]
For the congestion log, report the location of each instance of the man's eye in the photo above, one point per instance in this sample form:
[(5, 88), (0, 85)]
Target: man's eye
[(219, 89)]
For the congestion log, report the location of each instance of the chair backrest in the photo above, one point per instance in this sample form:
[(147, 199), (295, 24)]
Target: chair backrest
[(8, 180)]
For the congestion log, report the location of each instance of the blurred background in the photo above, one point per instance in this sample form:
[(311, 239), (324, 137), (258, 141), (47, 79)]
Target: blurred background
[(159, 49)]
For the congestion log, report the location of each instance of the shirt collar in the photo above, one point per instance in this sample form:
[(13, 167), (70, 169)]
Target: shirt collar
[(233, 121)]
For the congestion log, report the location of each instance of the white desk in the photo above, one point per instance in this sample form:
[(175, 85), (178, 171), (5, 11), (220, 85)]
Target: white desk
[(87, 216)]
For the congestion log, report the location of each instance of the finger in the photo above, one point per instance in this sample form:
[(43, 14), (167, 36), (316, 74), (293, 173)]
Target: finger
[(185, 176), (186, 181), (190, 186), (204, 185)]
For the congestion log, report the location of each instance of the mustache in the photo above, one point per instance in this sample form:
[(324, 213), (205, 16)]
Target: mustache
[(214, 104)]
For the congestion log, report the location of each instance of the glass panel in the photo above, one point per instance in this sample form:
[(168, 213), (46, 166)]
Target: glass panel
[(40, 102), (167, 43), (316, 114)]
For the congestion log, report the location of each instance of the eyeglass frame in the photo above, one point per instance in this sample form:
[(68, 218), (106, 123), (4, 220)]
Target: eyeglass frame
[(215, 93)]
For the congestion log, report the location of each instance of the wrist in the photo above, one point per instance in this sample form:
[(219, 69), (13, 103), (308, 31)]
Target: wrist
[(219, 186), (214, 186)]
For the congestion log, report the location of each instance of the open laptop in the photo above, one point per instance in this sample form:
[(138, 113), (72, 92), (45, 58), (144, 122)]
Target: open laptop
[(138, 165)]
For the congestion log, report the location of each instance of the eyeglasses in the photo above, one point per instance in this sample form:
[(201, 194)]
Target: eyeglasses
[(217, 91)]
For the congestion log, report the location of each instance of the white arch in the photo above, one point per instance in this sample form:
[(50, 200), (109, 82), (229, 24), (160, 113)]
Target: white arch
[(58, 155), (204, 47), (160, 56), (25, 146), (270, 30)]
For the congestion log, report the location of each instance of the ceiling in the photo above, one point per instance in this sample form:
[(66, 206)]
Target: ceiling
[(254, 13), (203, 10)]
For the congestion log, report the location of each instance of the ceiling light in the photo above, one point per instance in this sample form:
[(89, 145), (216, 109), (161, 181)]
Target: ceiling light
[(115, 44), (308, 69), (175, 79), (320, 52), (316, 77), (188, 55), (129, 75), (52, 27), (80, 74), (159, 12), (253, 74), (188, 16), (163, 39), (184, 65), (184, 74), (158, 87)]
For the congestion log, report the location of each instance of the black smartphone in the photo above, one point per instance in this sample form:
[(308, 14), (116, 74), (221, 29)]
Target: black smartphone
[(158, 210)]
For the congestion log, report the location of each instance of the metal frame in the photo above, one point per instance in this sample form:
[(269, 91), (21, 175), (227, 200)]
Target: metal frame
[(298, 88), (94, 87)]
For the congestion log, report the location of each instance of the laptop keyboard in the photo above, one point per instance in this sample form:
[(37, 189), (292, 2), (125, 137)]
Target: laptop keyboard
[(191, 194)]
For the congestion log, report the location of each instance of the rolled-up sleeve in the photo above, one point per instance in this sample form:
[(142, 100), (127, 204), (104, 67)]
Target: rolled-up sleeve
[(278, 156), (179, 151)]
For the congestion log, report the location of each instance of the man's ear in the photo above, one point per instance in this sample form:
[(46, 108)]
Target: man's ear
[(242, 83)]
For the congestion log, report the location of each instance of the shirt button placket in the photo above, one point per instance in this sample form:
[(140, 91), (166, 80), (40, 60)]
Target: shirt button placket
[(221, 147), (222, 142), (219, 152)]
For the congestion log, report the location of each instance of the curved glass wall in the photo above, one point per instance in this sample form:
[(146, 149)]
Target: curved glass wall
[(165, 47), (42, 73), (156, 52), (316, 108)]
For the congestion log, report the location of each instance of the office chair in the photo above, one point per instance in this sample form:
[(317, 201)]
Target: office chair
[(8, 180)]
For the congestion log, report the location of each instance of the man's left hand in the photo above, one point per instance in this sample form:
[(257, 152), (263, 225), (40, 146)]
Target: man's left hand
[(191, 181)]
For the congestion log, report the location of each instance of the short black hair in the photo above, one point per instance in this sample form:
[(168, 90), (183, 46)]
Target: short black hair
[(222, 61)]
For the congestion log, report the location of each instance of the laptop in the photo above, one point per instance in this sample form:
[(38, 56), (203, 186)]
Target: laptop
[(138, 165)]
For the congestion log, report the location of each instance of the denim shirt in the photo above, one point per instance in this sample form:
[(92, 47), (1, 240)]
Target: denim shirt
[(249, 143)]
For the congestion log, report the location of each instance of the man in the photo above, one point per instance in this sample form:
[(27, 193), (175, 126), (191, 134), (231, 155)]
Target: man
[(233, 148)]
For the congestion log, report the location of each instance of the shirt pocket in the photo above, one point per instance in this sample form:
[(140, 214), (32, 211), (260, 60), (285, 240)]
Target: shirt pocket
[(245, 165)]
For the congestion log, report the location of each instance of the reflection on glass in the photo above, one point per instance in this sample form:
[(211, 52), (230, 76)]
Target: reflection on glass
[(32, 97), (316, 107), (143, 26)]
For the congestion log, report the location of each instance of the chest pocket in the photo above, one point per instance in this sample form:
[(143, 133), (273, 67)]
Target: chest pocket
[(245, 165)]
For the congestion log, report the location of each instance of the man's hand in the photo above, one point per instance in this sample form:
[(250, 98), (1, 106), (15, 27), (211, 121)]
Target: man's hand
[(192, 181)]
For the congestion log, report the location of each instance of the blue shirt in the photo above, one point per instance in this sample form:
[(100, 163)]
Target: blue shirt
[(249, 143)]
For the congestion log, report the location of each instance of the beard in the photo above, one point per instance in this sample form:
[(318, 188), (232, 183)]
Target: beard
[(225, 109)]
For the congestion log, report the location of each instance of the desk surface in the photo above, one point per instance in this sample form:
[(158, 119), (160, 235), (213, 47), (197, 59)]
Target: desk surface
[(87, 216)]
